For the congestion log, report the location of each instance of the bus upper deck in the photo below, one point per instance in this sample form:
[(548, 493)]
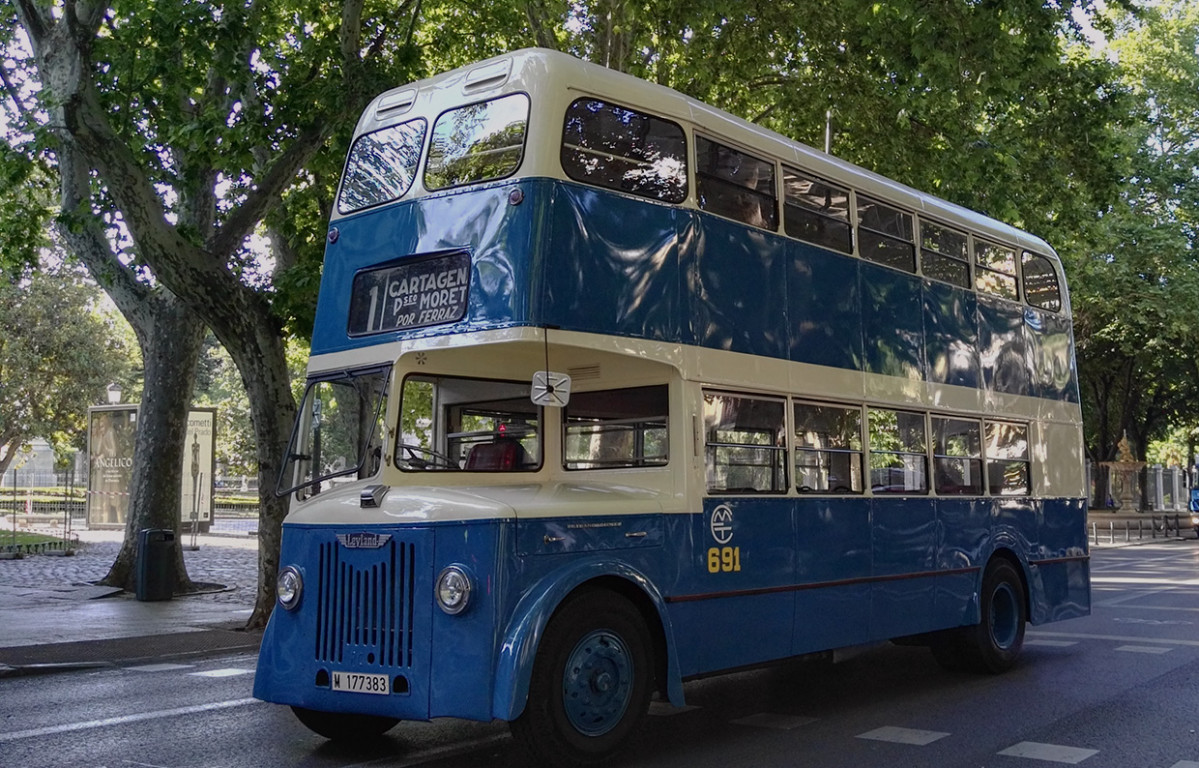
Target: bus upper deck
[(527, 207)]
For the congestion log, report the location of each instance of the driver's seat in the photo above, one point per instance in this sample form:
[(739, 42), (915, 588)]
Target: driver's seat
[(501, 455)]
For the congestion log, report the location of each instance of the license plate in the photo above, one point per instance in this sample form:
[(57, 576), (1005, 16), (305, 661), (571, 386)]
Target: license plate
[(359, 683)]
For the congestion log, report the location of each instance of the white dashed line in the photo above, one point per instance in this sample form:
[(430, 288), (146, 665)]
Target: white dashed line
[(160, 667), (896, 735), (222, 673), (1050, 643), (1144, 649), (1052, 753)]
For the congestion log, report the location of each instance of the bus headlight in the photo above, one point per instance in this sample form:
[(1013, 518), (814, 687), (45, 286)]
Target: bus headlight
[(454, 586), (289, 586)]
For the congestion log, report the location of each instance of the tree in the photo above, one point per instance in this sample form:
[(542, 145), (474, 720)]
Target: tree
[(1136, 293), (57, 355), (191, 121)]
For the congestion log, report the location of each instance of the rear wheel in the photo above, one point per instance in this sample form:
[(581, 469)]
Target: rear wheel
[(994, 644), (343, 726), (590, 687)]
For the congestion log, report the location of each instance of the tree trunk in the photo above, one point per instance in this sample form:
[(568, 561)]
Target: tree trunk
[(171, 353)]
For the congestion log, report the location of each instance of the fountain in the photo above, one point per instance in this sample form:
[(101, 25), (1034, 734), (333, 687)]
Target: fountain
[(1123, 477)]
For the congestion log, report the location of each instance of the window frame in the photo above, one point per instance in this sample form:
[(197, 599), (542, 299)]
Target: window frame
[(868, 234), (416, 167), (922, 454), (947, 258), (1032, 256), (639, 438), (801, 450), (752, 193), (515, 167), (568, 169), (816, 214), (780, 448)]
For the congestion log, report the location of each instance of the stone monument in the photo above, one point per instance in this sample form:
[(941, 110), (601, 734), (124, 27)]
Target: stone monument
[(1123, 477)]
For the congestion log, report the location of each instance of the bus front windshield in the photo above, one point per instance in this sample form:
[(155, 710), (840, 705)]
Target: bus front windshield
[(339, 432), (472, 425)]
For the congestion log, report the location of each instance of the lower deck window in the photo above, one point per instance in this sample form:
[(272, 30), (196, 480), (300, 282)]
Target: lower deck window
[(898, 462), (616, 428), (957, 457), (745, 444), (828, 449), (461, 424), (1007, 459)]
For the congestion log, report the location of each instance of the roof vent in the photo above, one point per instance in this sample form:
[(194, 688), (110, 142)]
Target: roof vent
[(489, 76), (394, 103)]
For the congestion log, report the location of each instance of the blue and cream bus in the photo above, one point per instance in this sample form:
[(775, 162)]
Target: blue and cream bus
[(610, 390)]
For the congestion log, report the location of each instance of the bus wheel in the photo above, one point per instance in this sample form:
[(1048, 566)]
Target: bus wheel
[(344, 726), (590, 687), (995, 642)]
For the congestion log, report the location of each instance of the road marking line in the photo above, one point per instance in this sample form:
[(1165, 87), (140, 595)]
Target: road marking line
[(124, 719), (1143, 649), (896, 735), (222, 673), (1116, 638), (1185, 764), (160, 667), (1050, 643), (777, 722), (1052, 753)]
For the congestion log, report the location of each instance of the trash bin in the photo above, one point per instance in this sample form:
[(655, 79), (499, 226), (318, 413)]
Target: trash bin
[(155, 564)]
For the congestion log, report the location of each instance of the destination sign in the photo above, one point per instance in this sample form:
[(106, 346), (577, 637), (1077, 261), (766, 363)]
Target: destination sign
[(410, 294)]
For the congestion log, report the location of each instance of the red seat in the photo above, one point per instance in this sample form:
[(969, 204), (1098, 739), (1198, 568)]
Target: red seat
[(498, 456)]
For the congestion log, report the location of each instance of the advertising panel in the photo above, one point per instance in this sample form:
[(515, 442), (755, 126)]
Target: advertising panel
[(112, 432)]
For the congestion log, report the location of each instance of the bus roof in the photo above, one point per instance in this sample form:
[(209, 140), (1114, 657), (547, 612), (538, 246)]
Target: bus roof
[(540, 71)]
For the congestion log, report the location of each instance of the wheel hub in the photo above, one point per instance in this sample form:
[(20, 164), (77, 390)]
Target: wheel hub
[(597, 683)]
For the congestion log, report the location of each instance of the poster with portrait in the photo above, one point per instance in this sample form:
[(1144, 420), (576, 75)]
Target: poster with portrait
[(111, 433)]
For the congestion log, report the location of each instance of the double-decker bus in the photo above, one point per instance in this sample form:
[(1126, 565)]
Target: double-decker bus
[(610, 390)]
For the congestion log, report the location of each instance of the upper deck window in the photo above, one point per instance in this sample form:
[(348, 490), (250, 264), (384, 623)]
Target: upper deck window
[(944, 254), (478, 142), (996, 270), (1041, 288), (816, 211), (734, 184), (381, 166), (885, 234), (618, 148)]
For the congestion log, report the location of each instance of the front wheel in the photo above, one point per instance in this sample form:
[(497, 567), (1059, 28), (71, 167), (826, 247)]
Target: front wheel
[(590, 687), (343, 726)]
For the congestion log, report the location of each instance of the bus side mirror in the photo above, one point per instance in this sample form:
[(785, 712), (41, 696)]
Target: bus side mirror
[(550, 389)]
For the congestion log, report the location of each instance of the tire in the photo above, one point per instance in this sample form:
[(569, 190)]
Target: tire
[(591, 683), (994, 644), (343, 726)]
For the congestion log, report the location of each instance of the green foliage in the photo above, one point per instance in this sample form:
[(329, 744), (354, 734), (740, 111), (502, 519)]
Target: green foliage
[(57, 355)]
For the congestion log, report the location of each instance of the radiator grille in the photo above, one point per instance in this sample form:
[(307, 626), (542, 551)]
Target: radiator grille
[(364, 607)]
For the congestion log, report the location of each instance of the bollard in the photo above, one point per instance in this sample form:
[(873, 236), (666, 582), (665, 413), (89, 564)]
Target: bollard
[(1127, 532), (1095, 533), (1140, 528)]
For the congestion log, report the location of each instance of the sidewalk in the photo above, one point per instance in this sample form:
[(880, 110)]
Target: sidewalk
[(52, 616)]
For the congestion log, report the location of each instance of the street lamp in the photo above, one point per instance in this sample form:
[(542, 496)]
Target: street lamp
[(114, 394)]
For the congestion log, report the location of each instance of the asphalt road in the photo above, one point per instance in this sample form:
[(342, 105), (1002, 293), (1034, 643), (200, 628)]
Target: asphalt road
[(1118, 689)]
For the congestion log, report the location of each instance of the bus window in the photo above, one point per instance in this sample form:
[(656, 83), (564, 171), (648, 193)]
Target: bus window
[(1007, 459), (733, 184), (885, 235), (478, 142), (996, 270), (816, 211), (617, 148), (473, 425), (339, 432), (944, 254), (615, 428), (381, 166), (898, 462), (746, 451), (828, 449), (957, 457), (1040, 283)]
